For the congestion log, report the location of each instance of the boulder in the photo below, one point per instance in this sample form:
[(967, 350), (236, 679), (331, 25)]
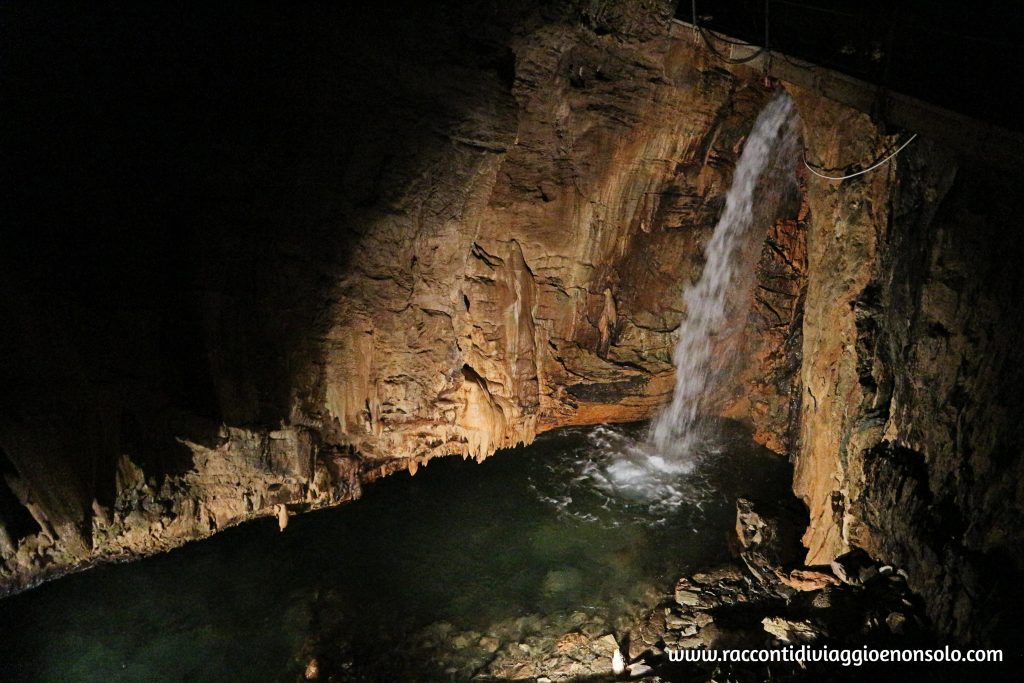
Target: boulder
[(808, 579), (637, 669), (854, 567), (790, 631)]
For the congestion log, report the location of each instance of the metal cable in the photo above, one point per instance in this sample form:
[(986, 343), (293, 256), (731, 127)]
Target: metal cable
[(728, 60), (866, 170)]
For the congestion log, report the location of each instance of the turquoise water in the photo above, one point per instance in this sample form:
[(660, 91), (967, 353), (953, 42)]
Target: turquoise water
[(531, 531)]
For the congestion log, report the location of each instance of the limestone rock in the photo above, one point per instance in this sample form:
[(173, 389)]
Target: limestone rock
[(618, 663), (501, 250), (769, 537), (808, 580), (752, 529), (790, 631), (854, 567), (282, 516), (521, 270), (605, 645), (725, 572), (896, 622), (489, 644), (688, 597), (637, 669)]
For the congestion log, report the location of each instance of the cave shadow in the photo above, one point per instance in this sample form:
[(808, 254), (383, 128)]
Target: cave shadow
[(191, 189)]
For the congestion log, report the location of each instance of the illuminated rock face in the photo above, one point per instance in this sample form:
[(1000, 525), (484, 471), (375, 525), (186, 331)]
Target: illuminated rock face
[(466, 249), (910, 327), (447, 242)]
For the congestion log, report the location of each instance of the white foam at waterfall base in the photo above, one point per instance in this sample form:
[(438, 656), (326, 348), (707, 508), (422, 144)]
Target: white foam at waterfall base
[(612, 478), (767, 156), (654, 470)]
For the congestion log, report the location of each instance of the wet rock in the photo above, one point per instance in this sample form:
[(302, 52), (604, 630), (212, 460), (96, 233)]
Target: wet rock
[(720, 574), (760, 568), (769, 533), (576, 619), (461, 641), (689, 643), (523, 671), (489, 644), (562, 582), (751, 528), (897, 623), (618, 663), (688, 597), (853, 566), (282, 517), (841, 338), (708, 636), (571, 641), (312, 671), (637, 669), (769, 537), (882, 461), (531, 623), (790, 631), (545, 333), (702, 619), (689, 630), (605, 646), (639, 646), (730, 611), (677, 622), (808, 580)]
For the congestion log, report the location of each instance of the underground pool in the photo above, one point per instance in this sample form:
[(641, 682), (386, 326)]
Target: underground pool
[(462, 556)]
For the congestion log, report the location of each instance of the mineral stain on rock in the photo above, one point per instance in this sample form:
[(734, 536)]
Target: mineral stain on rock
[(458, 315), (264, 283)]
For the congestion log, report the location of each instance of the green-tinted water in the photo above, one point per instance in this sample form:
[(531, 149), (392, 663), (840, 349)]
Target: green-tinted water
[(536, 530)]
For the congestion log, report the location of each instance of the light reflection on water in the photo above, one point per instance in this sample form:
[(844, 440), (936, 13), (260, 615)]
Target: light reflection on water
[(613, 477), (559, 526)]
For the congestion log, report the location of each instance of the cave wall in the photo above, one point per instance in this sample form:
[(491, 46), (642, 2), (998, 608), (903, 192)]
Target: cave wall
[(952, 312), (908, 409), (910, 420), (848, 222), (329, 247), (272, 280)]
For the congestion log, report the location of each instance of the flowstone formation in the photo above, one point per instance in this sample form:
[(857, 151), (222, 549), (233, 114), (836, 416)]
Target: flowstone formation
[(313, 273), (490, 241)]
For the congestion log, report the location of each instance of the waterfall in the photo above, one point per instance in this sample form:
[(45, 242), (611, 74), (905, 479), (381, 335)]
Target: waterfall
[(765, 166), (647, 472)]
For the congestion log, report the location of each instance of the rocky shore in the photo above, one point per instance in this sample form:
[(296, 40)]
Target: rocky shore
[(762, 599)]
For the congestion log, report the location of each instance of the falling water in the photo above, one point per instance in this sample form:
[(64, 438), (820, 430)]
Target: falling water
[(764, 166), (646, 474)]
